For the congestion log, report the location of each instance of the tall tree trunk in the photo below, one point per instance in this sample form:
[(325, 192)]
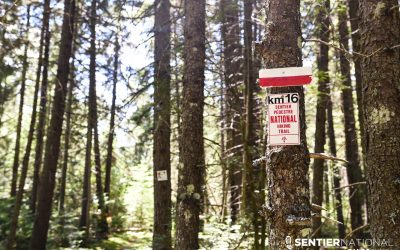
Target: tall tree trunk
[(84, 223), (380, 36), (336, 173), (102, 226), (354, 173), (280, 48), (67, 138), (249, 128), (354, 15), (232, 52), (162, 126), (111, 133), (190, 190), (320, 119), (47, 181), (40, 129), (19, 194), (20, 110)]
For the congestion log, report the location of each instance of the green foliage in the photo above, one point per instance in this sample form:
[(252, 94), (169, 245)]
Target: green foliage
[(25, 222)]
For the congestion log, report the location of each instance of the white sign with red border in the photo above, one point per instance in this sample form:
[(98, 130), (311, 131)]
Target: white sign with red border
[(283, 119)]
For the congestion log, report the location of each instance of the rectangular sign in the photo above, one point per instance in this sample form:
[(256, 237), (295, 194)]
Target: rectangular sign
[(283, 119), (281, 77), (162, 175)]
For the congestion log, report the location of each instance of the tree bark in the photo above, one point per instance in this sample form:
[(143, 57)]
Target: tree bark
[(20, 110), (287, 166), (354, 15), (40, 129), (323, 24), (20, 191), (191, 175), (102, 226), (336, 173), (162, 126), (354, 172), (249, 136), (84, 222), (67, 138), (47, 181), (111, 133), (380, 36), (230, 33)]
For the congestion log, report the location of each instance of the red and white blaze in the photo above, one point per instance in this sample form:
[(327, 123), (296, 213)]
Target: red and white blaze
[(282, 77)]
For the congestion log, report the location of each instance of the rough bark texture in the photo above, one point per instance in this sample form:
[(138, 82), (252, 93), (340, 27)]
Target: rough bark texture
[(40, 130), (20, 191), (336, 173), (162, 126), (354, 173), (46, 188), (288, 207), (354, 15), (67, 139), (20, 111), (102, 226), (250, 121), (232, 54), (191, 175), (323, 23), (84, 222), (379, 30), (111, 133)]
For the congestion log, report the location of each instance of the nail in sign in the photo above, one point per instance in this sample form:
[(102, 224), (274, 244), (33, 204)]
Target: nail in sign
[(283, 119), (162, 175)]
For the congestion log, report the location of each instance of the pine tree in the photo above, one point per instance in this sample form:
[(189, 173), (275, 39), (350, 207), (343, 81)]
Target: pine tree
[(191, 175), (162, 126), (52, 149), (379, 42), (287, 166)]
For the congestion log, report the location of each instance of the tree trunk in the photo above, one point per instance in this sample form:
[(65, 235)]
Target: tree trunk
[(336, 173), (323, 23), (287, 166), (47, 181), (20, 110), (354, 173), (111, 133), (380, 36), (230, 33), (67, 137), (102, 226), (354, 15), (19, 194), (250, 120), (84, 223), (40, 129), (162, 127), (190, 190)]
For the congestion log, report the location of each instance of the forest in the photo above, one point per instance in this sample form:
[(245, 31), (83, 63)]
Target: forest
[(199, 124)]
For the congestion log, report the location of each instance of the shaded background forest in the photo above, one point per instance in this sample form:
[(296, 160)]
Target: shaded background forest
[(121, 67)]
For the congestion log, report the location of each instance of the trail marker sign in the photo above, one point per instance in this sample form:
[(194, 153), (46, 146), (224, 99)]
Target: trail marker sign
[(162, 175), (282, 77), (283, 119)]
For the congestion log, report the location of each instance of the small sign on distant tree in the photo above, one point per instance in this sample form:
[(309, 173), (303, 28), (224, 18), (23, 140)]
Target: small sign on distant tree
[(283, 119), (162, 175), (281, 77)]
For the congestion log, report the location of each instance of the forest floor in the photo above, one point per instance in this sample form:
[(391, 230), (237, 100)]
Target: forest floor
[(131, 239)]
